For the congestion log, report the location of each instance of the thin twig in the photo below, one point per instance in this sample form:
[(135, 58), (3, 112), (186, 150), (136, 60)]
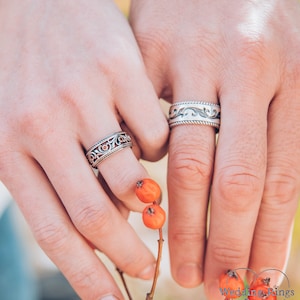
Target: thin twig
[(150, 295), (121, 273)]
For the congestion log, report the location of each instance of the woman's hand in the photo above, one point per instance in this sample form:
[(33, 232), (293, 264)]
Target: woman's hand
[(70, 75), (246, 57)]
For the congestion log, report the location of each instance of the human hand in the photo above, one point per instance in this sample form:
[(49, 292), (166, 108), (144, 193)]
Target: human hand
[(71, 74), (246, 57)]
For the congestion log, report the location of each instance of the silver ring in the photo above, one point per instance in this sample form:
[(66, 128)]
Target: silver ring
[(195, 112), (107, 146)]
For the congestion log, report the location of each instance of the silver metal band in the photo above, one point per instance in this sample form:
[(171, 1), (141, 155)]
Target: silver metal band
[(107, 146), (195, 112)]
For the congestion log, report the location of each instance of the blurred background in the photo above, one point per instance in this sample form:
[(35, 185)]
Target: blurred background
[(27, 274)]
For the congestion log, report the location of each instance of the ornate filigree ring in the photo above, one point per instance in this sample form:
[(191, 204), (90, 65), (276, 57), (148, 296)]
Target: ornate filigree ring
[(107, 146), (195, 112)]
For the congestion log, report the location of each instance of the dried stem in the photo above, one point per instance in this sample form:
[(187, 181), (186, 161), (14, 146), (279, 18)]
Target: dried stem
[(121, 273), (150, 295)]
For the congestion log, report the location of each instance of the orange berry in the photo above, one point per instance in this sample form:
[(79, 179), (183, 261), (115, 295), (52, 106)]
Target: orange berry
[(148, 191), (260, 290), (231, 284), (260, 281), (154, 216)]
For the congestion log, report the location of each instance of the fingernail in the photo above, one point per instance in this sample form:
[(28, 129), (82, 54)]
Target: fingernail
[(148, 272), (109, 297), (189, 274), (276, 275)]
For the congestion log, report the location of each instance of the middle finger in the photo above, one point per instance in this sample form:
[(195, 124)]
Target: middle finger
[(190, 165)]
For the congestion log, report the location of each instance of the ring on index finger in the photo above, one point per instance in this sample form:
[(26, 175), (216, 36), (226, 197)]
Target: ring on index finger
[(193, 113)]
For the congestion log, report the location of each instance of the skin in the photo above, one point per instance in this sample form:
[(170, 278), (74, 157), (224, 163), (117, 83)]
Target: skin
[(244, 56), (68, 74)]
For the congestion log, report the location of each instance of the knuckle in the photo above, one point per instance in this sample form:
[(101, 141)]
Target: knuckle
[(33, 121), (155, 141), (159, 136), (238, 183), (188, 236), (256, 54), (94, 219), (84, 277), (226, 254), (268, 236), (118, 60), (253, 45), (153, 45), (188, 163), (281, 188), (51, 235), (122, 183)]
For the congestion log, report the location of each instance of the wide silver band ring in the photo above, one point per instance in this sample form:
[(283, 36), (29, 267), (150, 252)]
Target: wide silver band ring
[(107, 146), (195, 112)]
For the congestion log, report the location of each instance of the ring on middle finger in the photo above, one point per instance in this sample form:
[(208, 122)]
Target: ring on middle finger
[(195, 112)]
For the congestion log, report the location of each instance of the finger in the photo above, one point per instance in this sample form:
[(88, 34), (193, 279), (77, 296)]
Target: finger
[(272, 237), (124, 211), (121, 170), (117, 202), (139, 107), (92, 212), (135, 146), (190, 165), (54, 232), (238, 181)]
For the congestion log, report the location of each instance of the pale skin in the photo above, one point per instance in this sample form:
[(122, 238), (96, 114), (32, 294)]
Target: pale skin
[(244, 55), (68, 73)]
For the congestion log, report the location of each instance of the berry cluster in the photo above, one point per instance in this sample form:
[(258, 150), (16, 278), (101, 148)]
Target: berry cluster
[(260, 289), (232, 286), (148, 191), (154, 217)]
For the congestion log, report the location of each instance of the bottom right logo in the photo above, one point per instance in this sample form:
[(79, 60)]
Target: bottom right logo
[(261, 287)]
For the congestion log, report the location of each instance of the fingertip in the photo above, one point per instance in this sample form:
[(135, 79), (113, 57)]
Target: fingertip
[(188, 275), (148, 272), (154, 141), (276, 275)]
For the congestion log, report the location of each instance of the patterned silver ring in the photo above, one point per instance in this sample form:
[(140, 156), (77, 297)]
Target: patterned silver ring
[(107, 146), (195, 112)]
